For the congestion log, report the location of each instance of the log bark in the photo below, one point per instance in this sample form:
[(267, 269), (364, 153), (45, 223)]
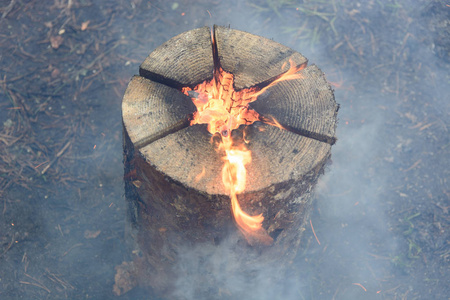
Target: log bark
[(173, 173)]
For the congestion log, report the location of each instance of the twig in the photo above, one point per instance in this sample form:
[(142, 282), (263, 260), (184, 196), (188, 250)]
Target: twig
[(41, 284), (413, 165), (8, 8), (360, 285), (35, 284), (41, 164), (58, 280), (9, 246), (350, 45), (56, 157), (1, 193), (70, 249), (314, 232)]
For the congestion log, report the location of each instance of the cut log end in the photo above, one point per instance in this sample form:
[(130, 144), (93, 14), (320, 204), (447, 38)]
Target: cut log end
[(156, 116)]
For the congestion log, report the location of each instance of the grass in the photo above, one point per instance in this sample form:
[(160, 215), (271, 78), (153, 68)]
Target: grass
[(408, 221), (413, 249)]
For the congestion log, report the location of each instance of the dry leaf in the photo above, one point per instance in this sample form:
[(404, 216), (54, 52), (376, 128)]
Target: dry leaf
[(125, 278), (91, 234), (411, 117), (353, 12), (55, 73), (56, 41), (137, 183), (85, 25)]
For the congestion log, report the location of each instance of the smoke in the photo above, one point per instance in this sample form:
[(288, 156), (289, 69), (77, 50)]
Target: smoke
[(349, 222), (353, 220), (390, 86), (227, 271)]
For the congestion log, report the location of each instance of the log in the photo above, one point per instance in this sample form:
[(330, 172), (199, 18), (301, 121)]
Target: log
[(173, 173)]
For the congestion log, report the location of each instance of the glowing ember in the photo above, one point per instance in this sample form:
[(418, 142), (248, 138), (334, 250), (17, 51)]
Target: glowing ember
[(223, 109)]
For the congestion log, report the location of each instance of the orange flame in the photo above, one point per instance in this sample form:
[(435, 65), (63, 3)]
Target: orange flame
[(223, 109)]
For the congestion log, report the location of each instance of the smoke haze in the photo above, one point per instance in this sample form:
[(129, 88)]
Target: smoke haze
[(381, 208)]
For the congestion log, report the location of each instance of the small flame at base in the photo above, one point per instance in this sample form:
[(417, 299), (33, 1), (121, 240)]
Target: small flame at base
[(234, 177), (249, 226)]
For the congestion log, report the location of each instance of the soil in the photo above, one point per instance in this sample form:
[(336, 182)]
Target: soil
[(381, 218)]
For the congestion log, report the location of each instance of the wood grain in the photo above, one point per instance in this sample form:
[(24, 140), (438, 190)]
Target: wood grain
[(305, 104), (184, 60), (250, 58), (151, 110)]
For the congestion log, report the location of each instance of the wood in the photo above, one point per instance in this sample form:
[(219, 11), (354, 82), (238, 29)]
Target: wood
[(150, 103), (184, 60), (250, 58), (308, 107), (173, 173)]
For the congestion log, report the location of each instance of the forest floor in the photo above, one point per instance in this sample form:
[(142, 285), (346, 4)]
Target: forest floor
[(382, 207)]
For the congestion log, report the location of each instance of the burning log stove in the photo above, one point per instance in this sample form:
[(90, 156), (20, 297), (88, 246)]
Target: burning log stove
[(224, 132)]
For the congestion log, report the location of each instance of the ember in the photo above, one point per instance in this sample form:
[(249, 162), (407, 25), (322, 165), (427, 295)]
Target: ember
[(223, 109)]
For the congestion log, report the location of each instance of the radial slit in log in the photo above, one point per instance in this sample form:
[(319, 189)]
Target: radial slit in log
[(184, 60)]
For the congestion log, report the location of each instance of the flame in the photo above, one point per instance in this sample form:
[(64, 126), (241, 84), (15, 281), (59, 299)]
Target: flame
[(224, 109)]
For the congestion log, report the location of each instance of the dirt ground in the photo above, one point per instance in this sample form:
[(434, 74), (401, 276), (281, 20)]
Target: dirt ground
[(381, 213)]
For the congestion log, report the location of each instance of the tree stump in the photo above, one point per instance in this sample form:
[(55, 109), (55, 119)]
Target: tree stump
[(173, 173)]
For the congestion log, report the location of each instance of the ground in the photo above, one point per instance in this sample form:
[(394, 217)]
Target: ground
[(381, 216)]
